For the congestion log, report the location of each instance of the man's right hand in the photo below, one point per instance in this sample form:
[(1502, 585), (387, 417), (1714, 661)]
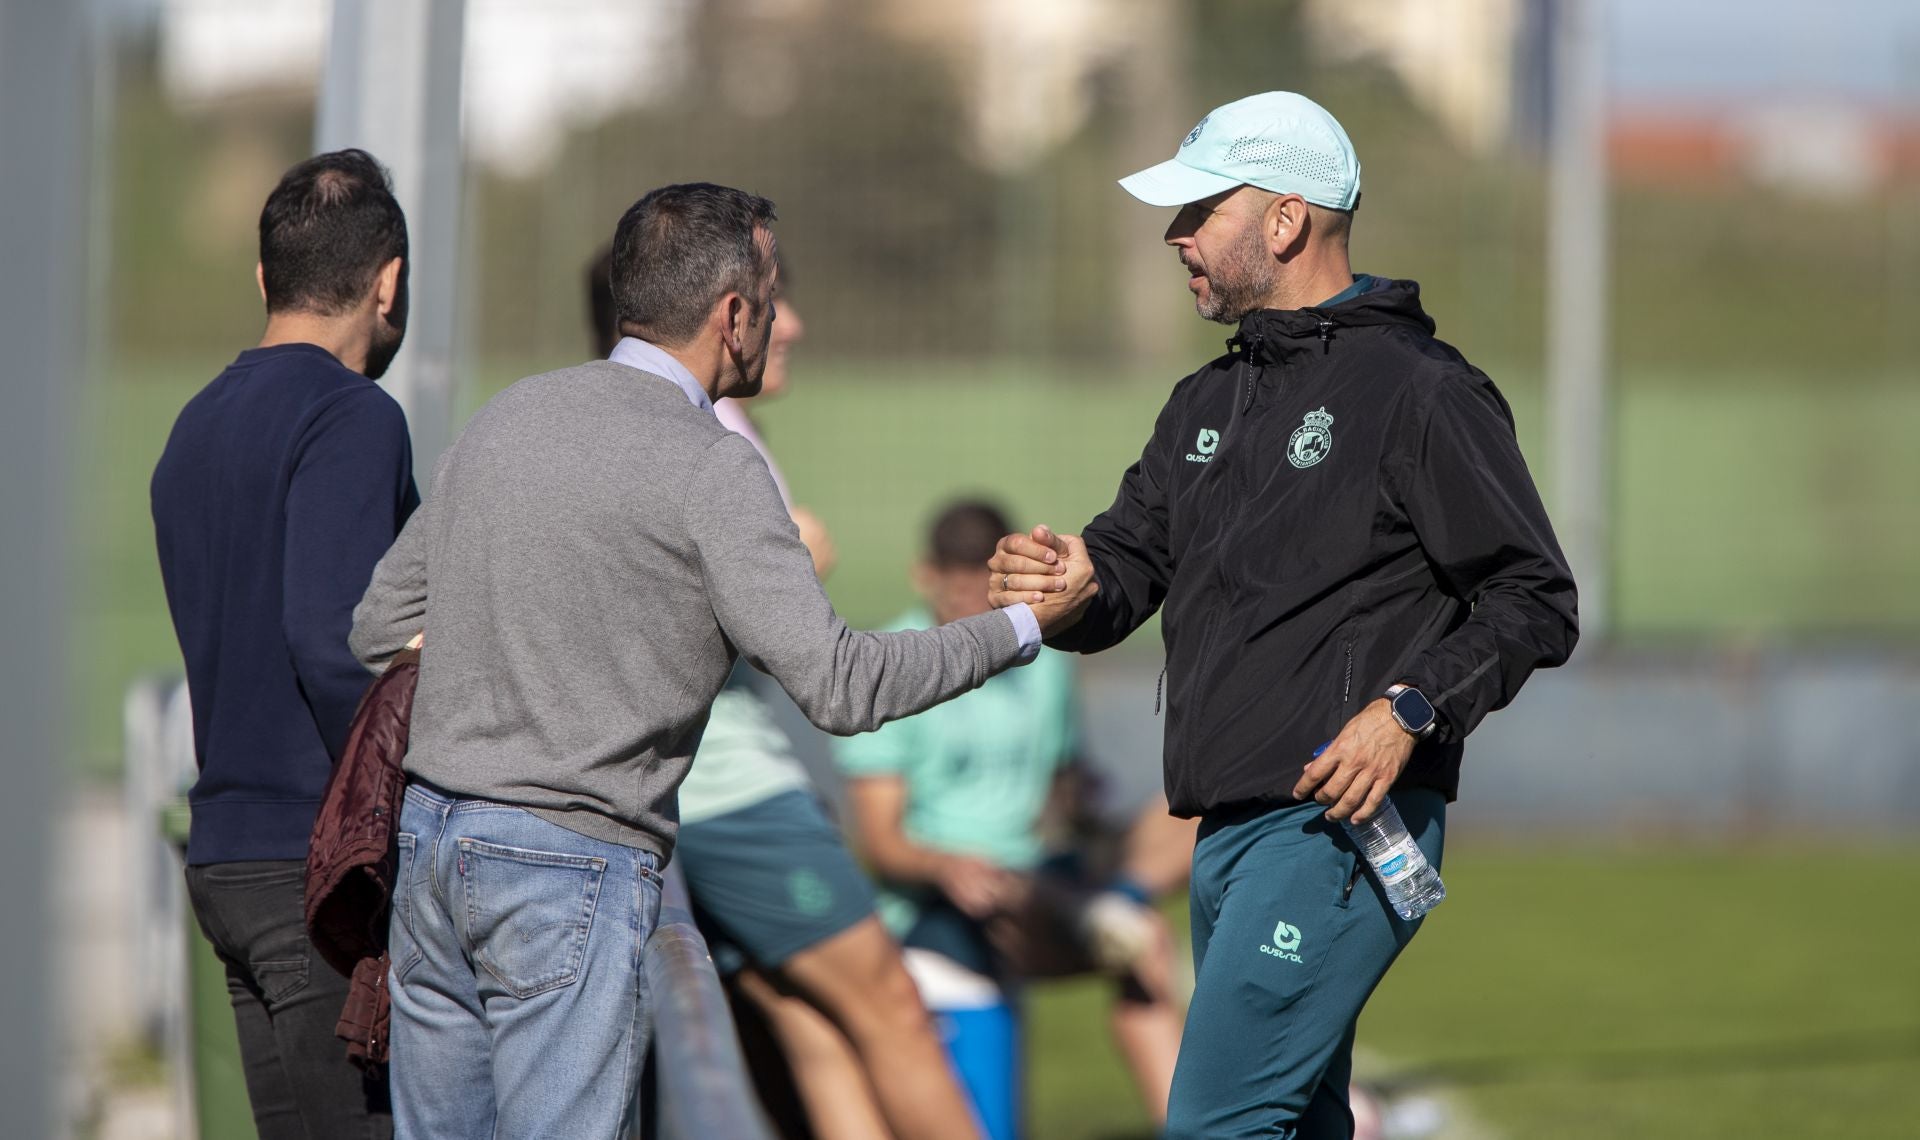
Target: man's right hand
[(974, 885), (1053, 573), (814, 536)]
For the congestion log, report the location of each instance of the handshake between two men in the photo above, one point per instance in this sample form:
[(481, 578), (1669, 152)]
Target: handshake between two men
[(1054, 574)]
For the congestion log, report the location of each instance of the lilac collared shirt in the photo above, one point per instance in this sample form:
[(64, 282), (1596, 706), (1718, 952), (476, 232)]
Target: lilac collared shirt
[(647, 357)]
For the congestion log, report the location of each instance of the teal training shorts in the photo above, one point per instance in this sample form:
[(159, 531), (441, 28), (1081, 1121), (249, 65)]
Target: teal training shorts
[(769, 880), (1291, 933)]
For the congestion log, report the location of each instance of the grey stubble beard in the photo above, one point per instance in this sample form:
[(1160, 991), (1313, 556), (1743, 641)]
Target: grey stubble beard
[(1242, 280)]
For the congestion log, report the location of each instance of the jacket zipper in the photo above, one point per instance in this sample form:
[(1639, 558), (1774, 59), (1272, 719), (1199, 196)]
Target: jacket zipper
[(1248, 349), (1346, 682)]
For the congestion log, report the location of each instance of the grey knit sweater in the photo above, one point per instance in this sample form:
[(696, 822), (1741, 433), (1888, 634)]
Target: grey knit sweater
[(593, 555)]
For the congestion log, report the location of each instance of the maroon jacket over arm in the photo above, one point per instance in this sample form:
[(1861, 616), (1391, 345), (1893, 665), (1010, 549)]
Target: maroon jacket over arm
[(352, 859)]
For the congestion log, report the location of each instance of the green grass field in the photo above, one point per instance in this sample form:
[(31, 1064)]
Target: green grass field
[(1606, 995), (1578, 995), (1745, 508)]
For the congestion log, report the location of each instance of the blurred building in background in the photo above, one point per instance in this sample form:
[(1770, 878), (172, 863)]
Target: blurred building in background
[(1460, 59)]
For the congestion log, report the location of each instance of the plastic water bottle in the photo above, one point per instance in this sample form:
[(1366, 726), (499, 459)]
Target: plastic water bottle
[(1413, 887)]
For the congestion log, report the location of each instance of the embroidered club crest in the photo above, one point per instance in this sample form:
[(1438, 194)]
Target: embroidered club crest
[(1193, 136), (1312, 440)]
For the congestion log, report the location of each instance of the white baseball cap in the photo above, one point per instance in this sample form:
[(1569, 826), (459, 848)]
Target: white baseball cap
[(1277, 140)]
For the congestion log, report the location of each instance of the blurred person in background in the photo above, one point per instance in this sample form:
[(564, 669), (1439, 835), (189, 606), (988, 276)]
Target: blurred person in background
[(282, 484), (595, 554), (788, 915), (1349, 549), (948, 809)]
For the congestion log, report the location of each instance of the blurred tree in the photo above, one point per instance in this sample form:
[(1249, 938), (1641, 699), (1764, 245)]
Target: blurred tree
[(858, 140), (185, 208)]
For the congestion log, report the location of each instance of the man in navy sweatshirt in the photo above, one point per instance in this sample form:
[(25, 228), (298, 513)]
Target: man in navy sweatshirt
[(283, 483)]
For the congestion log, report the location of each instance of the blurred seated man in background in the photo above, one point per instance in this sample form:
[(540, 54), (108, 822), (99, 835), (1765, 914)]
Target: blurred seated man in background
[(948, 810), (787, 913)]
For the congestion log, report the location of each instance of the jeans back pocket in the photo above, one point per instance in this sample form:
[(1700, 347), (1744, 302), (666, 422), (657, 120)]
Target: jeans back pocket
[(528, 913)]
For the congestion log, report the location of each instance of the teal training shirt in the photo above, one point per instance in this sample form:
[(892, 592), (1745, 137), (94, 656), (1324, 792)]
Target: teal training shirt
[(744, 757), (978, 769), (1362, 283)]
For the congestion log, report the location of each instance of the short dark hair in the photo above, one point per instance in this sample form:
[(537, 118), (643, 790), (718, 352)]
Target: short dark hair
[(606, 332), (681, 248), (326, 230), (965, 533)]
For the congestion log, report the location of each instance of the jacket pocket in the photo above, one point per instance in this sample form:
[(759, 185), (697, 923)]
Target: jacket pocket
[(529, 913)]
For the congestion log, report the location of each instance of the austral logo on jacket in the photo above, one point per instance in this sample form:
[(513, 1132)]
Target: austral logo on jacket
[(1204, 446), (1312, 440)]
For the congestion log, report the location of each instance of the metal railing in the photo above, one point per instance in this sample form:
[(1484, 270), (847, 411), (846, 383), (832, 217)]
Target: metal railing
[(704, 1090), (159, 768)]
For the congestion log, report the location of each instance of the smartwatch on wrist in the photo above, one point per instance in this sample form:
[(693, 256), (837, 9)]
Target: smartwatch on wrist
[(1412, 710)]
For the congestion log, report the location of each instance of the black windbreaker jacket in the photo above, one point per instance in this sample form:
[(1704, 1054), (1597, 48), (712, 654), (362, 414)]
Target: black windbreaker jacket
[(1335, 505)]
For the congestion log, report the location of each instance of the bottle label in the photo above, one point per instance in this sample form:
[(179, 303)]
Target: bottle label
[(1402, 860)]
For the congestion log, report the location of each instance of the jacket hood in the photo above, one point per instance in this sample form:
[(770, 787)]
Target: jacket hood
[(1389, 302)]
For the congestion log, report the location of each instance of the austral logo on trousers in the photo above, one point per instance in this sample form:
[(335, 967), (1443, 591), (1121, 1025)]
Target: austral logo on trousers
[(1286, 939), (1311, 440), (1204, 446)]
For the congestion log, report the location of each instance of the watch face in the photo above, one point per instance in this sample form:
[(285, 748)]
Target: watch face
[(1414, 710)]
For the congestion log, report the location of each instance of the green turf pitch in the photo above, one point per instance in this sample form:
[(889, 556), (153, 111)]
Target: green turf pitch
[(1746, 507), (1614, 996), (1587, 996)]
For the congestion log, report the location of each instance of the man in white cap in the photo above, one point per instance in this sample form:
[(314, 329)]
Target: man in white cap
[(1349, 550)]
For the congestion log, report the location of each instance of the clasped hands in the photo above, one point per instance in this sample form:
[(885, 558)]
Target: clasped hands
[(1052, 573)]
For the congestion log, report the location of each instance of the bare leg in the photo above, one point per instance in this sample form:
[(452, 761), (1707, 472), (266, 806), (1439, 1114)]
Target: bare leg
[(1147, 1022), (1159, 849), (1039, 939), (857, 980), (826, 1071)]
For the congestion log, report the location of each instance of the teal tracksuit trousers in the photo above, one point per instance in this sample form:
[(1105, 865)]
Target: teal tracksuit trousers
[(1291, 933)]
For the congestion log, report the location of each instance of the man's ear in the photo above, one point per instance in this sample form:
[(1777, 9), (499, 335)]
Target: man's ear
[(386, 286), (260, 279), (1285, 223), (735, 315)]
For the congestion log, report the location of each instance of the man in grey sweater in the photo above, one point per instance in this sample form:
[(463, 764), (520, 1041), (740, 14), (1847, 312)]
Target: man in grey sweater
[(595, 552)]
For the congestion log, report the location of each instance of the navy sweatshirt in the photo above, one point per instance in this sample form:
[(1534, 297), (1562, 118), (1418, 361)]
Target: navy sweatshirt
[(283, 483)]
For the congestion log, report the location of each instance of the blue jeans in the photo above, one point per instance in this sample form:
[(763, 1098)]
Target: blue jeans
[(519, 996)]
